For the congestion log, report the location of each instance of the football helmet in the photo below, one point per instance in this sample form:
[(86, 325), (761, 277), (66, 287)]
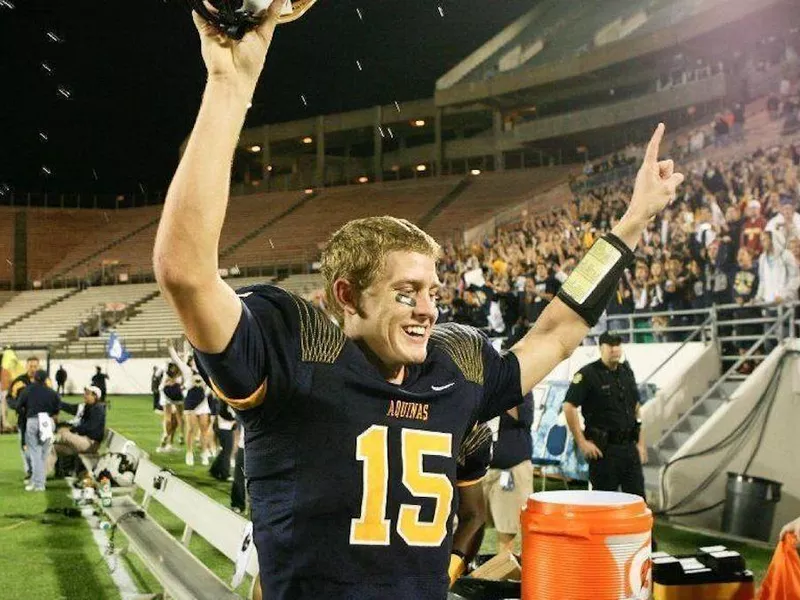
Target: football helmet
[(234, 18)]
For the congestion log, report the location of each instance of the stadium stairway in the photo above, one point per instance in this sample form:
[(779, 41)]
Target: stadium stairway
[(660, 454), (86, 259), (225, 252), (446, 201)]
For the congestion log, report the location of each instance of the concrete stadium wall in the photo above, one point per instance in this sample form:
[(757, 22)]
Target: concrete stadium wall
[(131, 377), (643, 358), (684, 380), (776, 459)]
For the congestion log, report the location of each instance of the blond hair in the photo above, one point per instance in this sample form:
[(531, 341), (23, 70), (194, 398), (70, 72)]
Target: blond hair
[(357, 252)]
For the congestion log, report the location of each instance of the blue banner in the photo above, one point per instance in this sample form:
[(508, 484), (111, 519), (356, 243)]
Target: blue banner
[(116, 350)]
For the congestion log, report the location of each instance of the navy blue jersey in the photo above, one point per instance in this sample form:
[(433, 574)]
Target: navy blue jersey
[(352, 478)]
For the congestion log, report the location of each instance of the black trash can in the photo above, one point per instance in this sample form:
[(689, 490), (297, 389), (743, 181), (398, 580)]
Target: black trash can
[(750, 506)]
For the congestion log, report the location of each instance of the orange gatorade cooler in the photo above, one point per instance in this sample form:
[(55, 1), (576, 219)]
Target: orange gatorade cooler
[(586, 545)]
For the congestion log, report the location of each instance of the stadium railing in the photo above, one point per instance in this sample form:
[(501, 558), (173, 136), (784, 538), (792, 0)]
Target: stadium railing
[(181, 574)]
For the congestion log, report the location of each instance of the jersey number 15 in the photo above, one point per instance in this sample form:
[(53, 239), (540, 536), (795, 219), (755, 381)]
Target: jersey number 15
[(371, 528)]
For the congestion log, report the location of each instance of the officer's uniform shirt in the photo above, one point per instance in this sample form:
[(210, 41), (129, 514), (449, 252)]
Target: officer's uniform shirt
[(607, 398), (352, 478)]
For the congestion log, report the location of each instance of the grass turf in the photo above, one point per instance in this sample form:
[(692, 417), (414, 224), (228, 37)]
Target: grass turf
[(43, 552), (68, 564)]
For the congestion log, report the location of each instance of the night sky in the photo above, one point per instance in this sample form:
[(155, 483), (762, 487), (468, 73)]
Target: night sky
[(134, 76)]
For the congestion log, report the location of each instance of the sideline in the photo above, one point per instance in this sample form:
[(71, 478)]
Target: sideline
[(117, 568)]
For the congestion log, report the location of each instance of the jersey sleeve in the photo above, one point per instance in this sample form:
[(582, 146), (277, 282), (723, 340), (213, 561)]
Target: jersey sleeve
[(260, 361), (502, 384), (578, 388), (474, 456), (473, 354)]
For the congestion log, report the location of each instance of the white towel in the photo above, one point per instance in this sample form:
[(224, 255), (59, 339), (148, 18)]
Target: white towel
[(46, 427)]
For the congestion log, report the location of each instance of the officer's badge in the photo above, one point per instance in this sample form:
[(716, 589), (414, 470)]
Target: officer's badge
[(577, 378)]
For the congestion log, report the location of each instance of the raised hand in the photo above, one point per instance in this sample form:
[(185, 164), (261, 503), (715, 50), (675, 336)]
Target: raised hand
[(239, 62), (656, 181)]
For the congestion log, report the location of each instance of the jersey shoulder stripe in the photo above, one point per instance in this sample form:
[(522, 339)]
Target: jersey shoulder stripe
[(464, 346), (321, 340), (478, 438)]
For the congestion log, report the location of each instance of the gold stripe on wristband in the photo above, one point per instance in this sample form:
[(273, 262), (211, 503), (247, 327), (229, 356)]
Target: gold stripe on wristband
[(597, 263)]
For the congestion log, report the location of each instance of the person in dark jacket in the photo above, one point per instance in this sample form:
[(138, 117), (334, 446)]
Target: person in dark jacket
[(99, 381), (40, 405), (155, 388), (85, 436), (509, 481), (15, 389), (226, 422), (61, 379)]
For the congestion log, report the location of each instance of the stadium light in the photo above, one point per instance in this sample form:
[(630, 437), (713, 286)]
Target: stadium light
[(255, 148), (421, 168), (269, 167), (419, 123), (363, 179), (475, 172), (308, 140)]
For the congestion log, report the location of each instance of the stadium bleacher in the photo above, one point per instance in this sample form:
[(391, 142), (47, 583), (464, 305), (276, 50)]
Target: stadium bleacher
[(155, 320), (50, 325), (296, 238), (490, 193), (106, 230), (24, 303)]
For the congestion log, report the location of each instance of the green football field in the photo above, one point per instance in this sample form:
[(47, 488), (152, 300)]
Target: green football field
[(45, 553)]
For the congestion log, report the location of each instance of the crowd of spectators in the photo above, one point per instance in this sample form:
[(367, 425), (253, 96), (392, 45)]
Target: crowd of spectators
[(731, 237)]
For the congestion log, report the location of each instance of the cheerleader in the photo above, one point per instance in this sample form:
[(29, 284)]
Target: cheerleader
[(197, 413), (171, 398)]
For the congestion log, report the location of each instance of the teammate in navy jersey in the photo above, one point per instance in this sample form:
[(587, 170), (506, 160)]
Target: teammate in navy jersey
[(352, 432)]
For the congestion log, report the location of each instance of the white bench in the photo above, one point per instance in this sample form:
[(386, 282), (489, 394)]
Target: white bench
[(182, 575)]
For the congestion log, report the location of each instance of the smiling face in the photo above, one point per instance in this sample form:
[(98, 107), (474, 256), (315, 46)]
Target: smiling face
[(381, 285), (395, 332)]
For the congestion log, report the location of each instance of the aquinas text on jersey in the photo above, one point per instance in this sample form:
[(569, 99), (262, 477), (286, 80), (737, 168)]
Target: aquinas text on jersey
[(407, 410)]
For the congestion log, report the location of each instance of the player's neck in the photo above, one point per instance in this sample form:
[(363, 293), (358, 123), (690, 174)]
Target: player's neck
[(392, 373)]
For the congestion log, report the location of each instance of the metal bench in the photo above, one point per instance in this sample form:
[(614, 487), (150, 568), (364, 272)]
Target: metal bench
[(181, 574)]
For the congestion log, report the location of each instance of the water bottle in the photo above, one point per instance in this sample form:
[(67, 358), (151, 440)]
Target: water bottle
[(105, 492)]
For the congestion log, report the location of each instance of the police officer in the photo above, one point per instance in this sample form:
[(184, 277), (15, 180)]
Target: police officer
[(612, 442)]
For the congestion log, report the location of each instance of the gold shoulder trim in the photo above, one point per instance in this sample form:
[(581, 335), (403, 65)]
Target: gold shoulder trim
[(464, 484), (253, 400), (321, 340), (463, 344), (479, 435)]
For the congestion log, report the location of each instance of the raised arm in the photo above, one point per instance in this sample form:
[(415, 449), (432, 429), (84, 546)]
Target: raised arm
[(560, 329), (186, 370), (185, 257)]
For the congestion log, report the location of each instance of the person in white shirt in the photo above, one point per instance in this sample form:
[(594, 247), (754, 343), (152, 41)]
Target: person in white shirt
[(778, 273), (785, 225), (779, 277)]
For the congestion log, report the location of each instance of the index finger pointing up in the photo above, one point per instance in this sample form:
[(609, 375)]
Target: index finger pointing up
[(651, 156)]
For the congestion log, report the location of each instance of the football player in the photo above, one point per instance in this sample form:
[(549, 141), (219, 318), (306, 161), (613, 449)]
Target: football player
[(352, 431)]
